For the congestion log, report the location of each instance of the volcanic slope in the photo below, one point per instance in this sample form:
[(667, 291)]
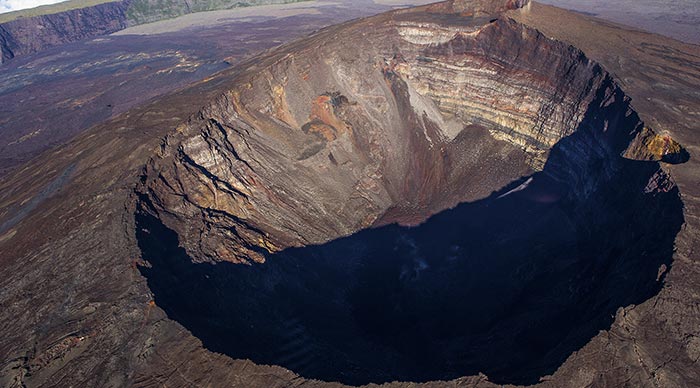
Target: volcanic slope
[(33, 30), (277, 199), (47, 98)]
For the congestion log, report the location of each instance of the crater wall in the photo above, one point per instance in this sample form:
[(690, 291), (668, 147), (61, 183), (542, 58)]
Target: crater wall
[(386, 121)]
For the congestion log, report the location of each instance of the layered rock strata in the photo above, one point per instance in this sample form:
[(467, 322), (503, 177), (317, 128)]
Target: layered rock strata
[(391, 123)]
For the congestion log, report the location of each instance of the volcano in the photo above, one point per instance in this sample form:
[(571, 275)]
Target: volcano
[(452, 194)]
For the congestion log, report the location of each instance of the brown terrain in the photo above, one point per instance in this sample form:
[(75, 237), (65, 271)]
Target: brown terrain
[(48, 98), (679, 19), (470, 193)]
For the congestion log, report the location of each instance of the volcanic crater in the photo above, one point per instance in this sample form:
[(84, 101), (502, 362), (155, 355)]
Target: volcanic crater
[(421, 195)]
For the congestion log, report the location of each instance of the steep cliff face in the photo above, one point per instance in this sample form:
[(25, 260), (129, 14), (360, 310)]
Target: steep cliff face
[(394, 125), (29, 35)]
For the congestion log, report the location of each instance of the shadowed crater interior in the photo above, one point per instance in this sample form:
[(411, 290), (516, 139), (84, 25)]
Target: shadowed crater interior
[(272, 222), (509, 286)]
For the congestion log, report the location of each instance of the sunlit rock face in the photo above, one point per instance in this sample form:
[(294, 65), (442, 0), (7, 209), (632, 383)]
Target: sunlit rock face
[(383, 121), (305, 165)]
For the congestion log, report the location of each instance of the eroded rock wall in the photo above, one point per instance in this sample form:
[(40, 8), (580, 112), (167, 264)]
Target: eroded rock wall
[(354, 129), (29, 35)]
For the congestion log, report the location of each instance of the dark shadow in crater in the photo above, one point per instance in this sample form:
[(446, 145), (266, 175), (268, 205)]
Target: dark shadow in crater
[(509, 286), (679, 158)]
